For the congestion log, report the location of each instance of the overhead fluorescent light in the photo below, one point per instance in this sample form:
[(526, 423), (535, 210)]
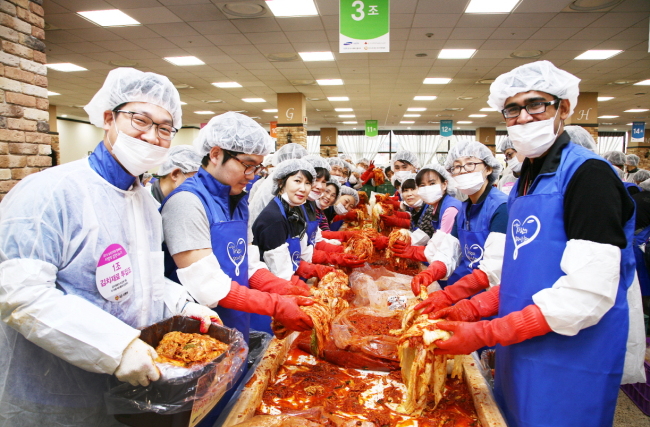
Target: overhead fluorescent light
[(342, 109), (204, 112), (184, 60), (349, 123), (642, 83), (491, 6), (464, 122), (636, 110), (605, 98), (65, 115), (338, 98), (253, 99), (607, 117), (284, 8), (424, 98), (629, 124), (226, 84), (346, 115), (478, 115), (329, 82), (456, 53), (316, 56), (65, 67), (488, 109), (436, 81), (406, 122), (271, 110), (416, 109), (598, 54), (109, 18), (183, 103), (50, 93), (412, 115)]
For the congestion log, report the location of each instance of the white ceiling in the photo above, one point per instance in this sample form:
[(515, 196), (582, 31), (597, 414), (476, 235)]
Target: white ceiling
[(380, 85)]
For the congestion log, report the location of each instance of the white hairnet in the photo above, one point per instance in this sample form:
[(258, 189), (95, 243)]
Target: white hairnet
[(364, 161), (632, 160), (468, 148), (437, 167), (506, 144), (288, 167), (268, 160), (617, 158), (183, 157), (146, 176), (289, 151), (130, 85), (542, 76), (581, 136), (645, 185), (641, 175), (318, 162), (349, 191), (235, 132), (405, 156), (336, 183), (336, 161), (345, 157)]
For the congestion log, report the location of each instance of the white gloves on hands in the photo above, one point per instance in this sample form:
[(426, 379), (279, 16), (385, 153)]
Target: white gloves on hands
[(137, 365), (202, 313)]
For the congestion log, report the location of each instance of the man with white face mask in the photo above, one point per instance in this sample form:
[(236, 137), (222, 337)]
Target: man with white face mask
[(81, 265), (513, 166), (568, 269)]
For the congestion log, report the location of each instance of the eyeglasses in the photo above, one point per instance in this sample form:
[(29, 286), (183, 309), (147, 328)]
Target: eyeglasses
[(537, 107), (248, 169), (467, 167), (143, 123)]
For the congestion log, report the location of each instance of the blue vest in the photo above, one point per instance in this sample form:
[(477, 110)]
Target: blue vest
[(228, 235), (473, 231), (556, 380), (639, 257), (447, 202)]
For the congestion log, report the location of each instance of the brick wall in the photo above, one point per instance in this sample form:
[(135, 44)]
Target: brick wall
[(25, 146)]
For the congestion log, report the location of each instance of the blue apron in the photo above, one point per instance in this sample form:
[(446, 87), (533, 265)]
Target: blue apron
[(447, 202), (629, 185), (639, 256), (474, 230), (312, 225), (260, 322), (556, 380), (228, 236)]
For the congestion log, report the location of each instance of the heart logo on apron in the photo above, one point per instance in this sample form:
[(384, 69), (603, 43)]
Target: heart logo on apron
[(524, 233), (471, 252), (295, 259), (237, 253)]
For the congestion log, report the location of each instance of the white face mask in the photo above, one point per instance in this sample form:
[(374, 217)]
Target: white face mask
[(400, 176), (340, 209), (314, 196), (535, 138), (431, 193), (135, 155), (285, 197), (514, 164), (417, 204), (470, 183), (341, 179)]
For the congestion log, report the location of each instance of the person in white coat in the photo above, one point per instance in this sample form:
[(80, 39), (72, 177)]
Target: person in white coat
[(81, 265)]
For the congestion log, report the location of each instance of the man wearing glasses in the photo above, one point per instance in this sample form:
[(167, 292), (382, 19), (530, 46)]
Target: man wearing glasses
[(568, 271)]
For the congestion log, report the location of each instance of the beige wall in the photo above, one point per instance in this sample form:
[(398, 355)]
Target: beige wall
[(76, 139)]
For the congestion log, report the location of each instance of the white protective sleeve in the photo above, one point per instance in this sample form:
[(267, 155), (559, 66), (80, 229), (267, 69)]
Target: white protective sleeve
[(306, 250), (419, 238), (176, 296), (205, 281), (581, 298), (633, 370), (254, 262), (279, 261), (320, 238), (67, 326), (445, 248), (492, 261)]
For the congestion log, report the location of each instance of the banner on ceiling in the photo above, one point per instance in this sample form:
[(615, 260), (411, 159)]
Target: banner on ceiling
[(638, 132), (364, 26), (372, 128), (446, 127)]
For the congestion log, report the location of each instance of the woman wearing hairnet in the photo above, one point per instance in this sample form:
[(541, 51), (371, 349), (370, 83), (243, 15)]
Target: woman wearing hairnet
[(567, 270), (631, 166), (513, 166), (343, 207), (81, 264), (471, 255), (402, 164), (182, 163), (325, 204), (618, 159)]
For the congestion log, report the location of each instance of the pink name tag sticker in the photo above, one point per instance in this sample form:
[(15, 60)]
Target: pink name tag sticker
[(507, 188), (114, 275)]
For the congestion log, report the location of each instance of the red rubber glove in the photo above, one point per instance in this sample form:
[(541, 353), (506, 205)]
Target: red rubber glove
[(265, 281), (403, 250), (350, 216), (471, 310), (341, 260), (436, 271), (380, 242), (402, 214), (307, 270), (394, 221), (338, 235), (514, 328), (395, 203), (367, 175), (328, 247), (284, 309), (467, 286)]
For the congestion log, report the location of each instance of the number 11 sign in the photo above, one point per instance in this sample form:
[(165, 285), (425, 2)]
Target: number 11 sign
[(364, 26)]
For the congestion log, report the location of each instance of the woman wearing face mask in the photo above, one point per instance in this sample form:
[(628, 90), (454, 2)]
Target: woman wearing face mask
[(347, 200), (511, 172), (410, 208)]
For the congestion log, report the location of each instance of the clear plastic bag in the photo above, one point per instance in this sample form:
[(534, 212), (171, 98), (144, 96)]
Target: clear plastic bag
[(381, 289), (179, 388), (347, 336)]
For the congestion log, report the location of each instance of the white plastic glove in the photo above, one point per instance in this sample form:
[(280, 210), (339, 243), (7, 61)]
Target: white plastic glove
[(137, 365), (202, 313)]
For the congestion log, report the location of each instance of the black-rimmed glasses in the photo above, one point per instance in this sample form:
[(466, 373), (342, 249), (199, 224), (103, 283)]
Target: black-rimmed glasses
[(467, 167), (143, 124), (537, 107), (249, 169)]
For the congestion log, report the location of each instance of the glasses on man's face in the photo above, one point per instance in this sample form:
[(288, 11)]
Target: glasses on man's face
[(143, 124), (537, 107), (248, 169), (467, 167)]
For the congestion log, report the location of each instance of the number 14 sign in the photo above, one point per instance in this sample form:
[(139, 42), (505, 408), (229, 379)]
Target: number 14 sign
[(364, 26)]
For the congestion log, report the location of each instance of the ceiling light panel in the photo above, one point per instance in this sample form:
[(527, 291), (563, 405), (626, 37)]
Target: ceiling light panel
[(598, 54), (349, 123), (424, 98), (416, 109), (66, 67), (406, 122), (464, 122), (607, 117), (204, 112), (643, 83), (343, 109), (344, 116), (436, 81), (636, 110), (224, 85), (50, 93), (271, 110), (109, 18), (184, 60), (605, 98), (338, 98), (488, 109), (491, 6), (412, 115), (478, 115), (253, 100), (456, 53), (330, 82), (284, 8), (316, 56)]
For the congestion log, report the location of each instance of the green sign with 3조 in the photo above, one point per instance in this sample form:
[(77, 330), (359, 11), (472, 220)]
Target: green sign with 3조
[(371, 128), (364, 26)]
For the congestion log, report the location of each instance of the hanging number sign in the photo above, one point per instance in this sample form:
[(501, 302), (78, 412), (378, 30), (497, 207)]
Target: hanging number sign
[(364, 26)]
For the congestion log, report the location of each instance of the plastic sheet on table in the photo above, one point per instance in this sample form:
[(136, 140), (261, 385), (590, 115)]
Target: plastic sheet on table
[(347, 336), (179, 388)]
